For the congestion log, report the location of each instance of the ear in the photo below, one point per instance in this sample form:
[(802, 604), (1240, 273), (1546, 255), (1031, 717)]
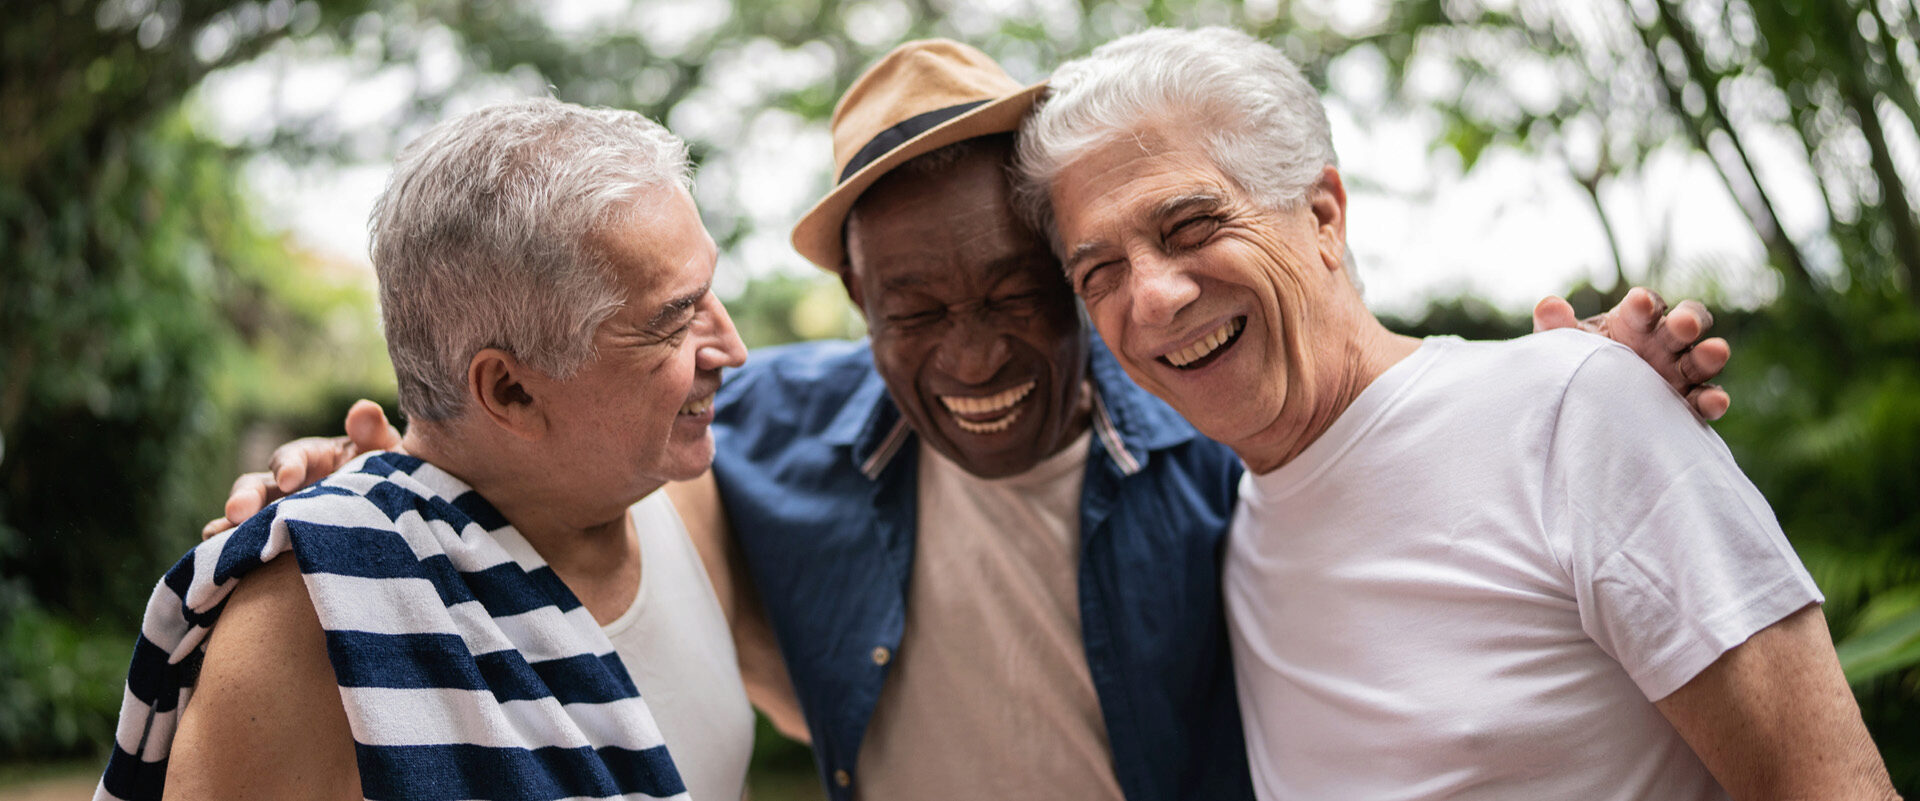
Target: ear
[(852, 283), (849, 276), (505, 391), (1328, 198)]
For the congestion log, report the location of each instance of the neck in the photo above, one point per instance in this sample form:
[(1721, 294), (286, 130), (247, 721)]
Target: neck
[(583, 540), (1340, 374)]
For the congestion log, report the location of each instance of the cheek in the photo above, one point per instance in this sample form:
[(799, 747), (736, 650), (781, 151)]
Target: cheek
[(891, 356), (1106, 313)]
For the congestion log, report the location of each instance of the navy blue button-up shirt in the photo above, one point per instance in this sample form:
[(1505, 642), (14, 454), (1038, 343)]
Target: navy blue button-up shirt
[(811, 469)]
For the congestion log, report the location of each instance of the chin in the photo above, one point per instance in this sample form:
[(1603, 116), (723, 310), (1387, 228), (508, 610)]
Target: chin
[(1017, 457), (686, 461)]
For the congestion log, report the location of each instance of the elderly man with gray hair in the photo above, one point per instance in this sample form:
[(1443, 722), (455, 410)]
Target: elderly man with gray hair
[(467, 620), (1498, 570)]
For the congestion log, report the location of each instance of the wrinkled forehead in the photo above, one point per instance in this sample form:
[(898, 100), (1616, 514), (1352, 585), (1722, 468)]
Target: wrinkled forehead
[(658, 250)]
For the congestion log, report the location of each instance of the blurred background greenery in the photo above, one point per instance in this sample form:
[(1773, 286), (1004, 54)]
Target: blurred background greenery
[(161, 325)]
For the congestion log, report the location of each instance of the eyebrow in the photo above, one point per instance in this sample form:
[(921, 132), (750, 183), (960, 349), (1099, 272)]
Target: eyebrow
[(1079, 254), (902, 281), (1173, 206)]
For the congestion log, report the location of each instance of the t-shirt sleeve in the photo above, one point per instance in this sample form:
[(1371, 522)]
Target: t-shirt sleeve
[(1674, 556)]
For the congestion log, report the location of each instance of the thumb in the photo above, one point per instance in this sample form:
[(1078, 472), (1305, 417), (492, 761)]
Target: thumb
[(368, 429), (1553, 312)]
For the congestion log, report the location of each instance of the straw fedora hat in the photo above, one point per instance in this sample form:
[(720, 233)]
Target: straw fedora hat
[(923, 96)]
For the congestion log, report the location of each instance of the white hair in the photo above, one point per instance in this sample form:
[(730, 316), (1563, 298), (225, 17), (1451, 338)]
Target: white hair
[(1260, 121), (482, 239)]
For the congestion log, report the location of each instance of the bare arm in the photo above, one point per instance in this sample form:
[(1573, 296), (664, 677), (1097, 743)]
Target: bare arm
[(265, 718), (762, 669), (1773, 718)]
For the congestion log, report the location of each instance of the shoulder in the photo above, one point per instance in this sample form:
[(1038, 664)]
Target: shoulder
[(1605, 383), (371, 492), (266, 695), (1530, 377), (1536, 361)]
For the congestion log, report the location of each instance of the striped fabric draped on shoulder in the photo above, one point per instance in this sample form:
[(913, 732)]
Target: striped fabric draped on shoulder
[(467, 668)]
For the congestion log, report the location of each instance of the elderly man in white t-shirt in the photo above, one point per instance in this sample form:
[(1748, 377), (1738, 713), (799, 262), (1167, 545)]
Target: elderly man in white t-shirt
[(1493, 570)]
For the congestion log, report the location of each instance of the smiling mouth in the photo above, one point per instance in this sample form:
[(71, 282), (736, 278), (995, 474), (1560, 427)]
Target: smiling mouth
[(697, 406), (989, 413), (1208, 349)]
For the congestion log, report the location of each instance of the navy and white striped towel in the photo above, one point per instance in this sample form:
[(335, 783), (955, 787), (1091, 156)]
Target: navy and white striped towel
[(468, 670)]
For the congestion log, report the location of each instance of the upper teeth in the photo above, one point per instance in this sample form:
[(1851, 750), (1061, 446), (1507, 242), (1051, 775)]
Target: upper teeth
[(999, 401), (1206, 345), (697, 406), (987, 405)]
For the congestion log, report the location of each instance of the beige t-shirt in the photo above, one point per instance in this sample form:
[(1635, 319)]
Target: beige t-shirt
[(989, 695)]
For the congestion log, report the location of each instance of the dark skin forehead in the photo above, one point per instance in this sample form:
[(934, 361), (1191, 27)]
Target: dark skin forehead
[(916, 227)]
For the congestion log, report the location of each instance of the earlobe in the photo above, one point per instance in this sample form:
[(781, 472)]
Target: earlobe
[(504, 390)]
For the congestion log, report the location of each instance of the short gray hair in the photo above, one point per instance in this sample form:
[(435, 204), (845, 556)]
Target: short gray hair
[(482, 239), (1266, 129)]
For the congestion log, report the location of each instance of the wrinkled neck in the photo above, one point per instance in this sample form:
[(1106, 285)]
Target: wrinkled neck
[(1341, 372)]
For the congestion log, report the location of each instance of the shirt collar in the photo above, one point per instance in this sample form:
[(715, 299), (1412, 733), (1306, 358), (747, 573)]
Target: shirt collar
[(1135, 422)]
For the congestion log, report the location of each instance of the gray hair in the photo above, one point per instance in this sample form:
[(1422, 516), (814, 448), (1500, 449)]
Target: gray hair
[(483, 238), (1265, 126)]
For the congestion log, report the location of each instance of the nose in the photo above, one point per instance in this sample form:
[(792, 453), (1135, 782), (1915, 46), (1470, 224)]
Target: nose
[(720, 344), (1158, 290), (972, 351)]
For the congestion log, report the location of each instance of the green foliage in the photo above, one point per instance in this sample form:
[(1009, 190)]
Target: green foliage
[(60, 684), (137, 288), (785, 308)]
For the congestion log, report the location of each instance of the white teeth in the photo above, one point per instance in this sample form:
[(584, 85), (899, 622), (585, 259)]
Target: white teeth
[(988, 427), (1001, 401), (1206, 345), (699, 406), (991, 404)]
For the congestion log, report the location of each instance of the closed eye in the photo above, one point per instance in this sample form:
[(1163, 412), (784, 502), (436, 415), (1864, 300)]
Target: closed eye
[(1089, 276), (1017, 300), (915, 318), (1192, 232)]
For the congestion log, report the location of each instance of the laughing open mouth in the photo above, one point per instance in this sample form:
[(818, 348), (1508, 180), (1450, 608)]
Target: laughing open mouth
[(986, 414), (1209, 348)]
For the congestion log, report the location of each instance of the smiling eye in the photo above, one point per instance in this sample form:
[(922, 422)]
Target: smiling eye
[(915, 318), (1191, 232), (1093, 278), (1017, 301)]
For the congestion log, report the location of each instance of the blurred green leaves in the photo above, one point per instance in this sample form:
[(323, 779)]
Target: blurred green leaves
[(1888, 639)]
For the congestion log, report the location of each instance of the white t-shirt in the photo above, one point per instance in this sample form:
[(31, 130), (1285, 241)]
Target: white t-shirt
[(1478, 580), (674, 643), (989, 695)]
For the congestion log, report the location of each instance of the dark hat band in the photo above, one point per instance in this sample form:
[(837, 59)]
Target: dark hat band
[(906, 129)]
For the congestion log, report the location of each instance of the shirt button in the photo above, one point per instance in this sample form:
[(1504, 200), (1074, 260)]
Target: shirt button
[(841, 778), (881, 656)]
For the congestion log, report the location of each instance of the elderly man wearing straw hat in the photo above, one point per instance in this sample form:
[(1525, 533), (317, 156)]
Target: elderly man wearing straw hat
[(988, 559)]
